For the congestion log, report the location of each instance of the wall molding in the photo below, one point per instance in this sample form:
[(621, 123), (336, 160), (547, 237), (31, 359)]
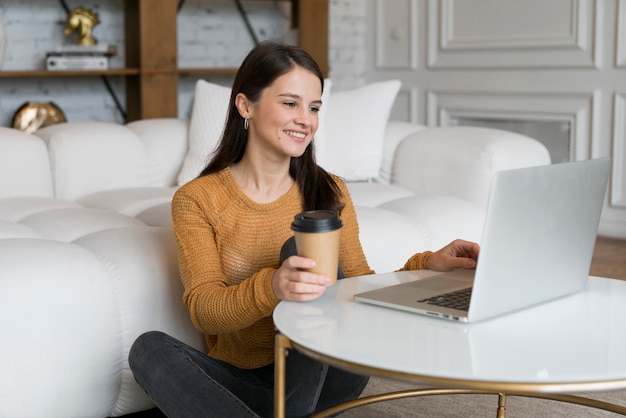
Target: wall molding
[(575, 46), (618, 183), (577, 109), (396, 34), (620, 48)]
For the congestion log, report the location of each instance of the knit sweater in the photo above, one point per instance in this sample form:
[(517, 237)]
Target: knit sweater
[(228, 250)]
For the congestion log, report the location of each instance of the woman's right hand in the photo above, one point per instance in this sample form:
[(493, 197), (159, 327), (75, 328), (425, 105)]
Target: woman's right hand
[(293, 282)]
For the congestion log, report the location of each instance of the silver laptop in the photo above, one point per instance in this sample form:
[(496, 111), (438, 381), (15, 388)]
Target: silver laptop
[(540, 230)]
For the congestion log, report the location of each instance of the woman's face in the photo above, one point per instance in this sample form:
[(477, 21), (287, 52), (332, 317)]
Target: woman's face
[(285, 118)]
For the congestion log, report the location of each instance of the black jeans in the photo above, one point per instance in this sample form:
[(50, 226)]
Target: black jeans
[(184, 382)]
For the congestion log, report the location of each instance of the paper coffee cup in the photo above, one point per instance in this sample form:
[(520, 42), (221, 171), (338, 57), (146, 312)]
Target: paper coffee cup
[(317, 236)]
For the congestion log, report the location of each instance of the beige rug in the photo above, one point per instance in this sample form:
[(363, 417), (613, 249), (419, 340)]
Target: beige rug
[(470, 406)]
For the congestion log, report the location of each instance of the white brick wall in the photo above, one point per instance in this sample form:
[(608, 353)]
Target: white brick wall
[(346, 52), (211, 33)]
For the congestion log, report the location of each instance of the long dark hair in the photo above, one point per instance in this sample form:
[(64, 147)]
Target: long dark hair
[(261, 67)]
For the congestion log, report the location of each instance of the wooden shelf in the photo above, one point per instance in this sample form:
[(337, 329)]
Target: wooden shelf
[(207, 71), (118, 72), (151, 45), (75, 73), (151, 80)]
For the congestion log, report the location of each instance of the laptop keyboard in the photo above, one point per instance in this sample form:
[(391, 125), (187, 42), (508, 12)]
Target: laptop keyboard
[(459, 299)]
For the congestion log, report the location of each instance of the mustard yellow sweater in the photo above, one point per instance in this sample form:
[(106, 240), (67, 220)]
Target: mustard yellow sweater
[(228, 250)]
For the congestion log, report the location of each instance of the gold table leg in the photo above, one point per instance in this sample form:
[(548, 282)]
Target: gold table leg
[(280, 354), (501, 406)]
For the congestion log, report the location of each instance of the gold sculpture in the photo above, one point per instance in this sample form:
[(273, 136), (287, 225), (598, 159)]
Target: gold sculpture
[(34, 115), (82, 20)]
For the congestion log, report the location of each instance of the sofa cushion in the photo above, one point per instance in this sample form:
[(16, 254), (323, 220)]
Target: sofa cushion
[(24, 165), (159, 215), (10, 229), (61, 331), (440, 219), (395, 133), (208, 115), (144, 270), (351, 144), (166, 144), (375, 194), (17, 208), (425, 163), (70, 223), (388, 238), (86, 157), (129, 202)]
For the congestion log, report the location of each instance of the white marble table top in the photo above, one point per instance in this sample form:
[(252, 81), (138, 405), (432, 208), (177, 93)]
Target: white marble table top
[(575, 343)]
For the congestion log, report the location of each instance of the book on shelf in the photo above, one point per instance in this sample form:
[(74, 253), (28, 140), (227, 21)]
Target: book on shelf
[(78, 54), (69, 63), (109, 50)]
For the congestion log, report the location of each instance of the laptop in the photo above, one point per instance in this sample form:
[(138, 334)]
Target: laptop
[(538, 239)]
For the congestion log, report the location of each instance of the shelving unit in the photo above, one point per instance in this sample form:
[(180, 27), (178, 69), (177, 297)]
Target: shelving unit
[(81, 73), (152, 72)]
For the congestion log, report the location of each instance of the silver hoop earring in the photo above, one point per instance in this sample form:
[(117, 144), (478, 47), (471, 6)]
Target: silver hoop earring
[(246, 124)]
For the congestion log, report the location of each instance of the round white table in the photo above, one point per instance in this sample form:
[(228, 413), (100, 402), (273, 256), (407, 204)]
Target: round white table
[(573, 344)]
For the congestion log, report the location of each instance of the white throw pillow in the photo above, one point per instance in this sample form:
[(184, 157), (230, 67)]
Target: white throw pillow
[(208, 116), (351, 142)]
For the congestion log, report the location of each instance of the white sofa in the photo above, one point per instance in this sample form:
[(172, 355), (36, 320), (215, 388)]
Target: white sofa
[(88, 260)]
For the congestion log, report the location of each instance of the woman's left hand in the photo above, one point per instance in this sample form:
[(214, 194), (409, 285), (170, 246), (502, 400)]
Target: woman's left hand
[(457, 254)]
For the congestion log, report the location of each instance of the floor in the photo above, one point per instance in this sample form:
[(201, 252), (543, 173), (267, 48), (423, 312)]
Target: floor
[(150, 413), (609, 260)]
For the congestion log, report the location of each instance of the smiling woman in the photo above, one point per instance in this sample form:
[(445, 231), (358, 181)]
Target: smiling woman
[(262, 174), (233, 231)]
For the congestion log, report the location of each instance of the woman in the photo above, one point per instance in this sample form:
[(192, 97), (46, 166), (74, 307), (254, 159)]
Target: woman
[(230, 224)]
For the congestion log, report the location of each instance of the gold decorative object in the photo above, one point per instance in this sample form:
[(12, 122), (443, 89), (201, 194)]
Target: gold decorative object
[(82, 21), (34, 115)]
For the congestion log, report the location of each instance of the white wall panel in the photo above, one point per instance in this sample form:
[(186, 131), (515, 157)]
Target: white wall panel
[(620, 58), (553, 69), (395, 34), (512, 34), (618, 184), (577, 109)]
